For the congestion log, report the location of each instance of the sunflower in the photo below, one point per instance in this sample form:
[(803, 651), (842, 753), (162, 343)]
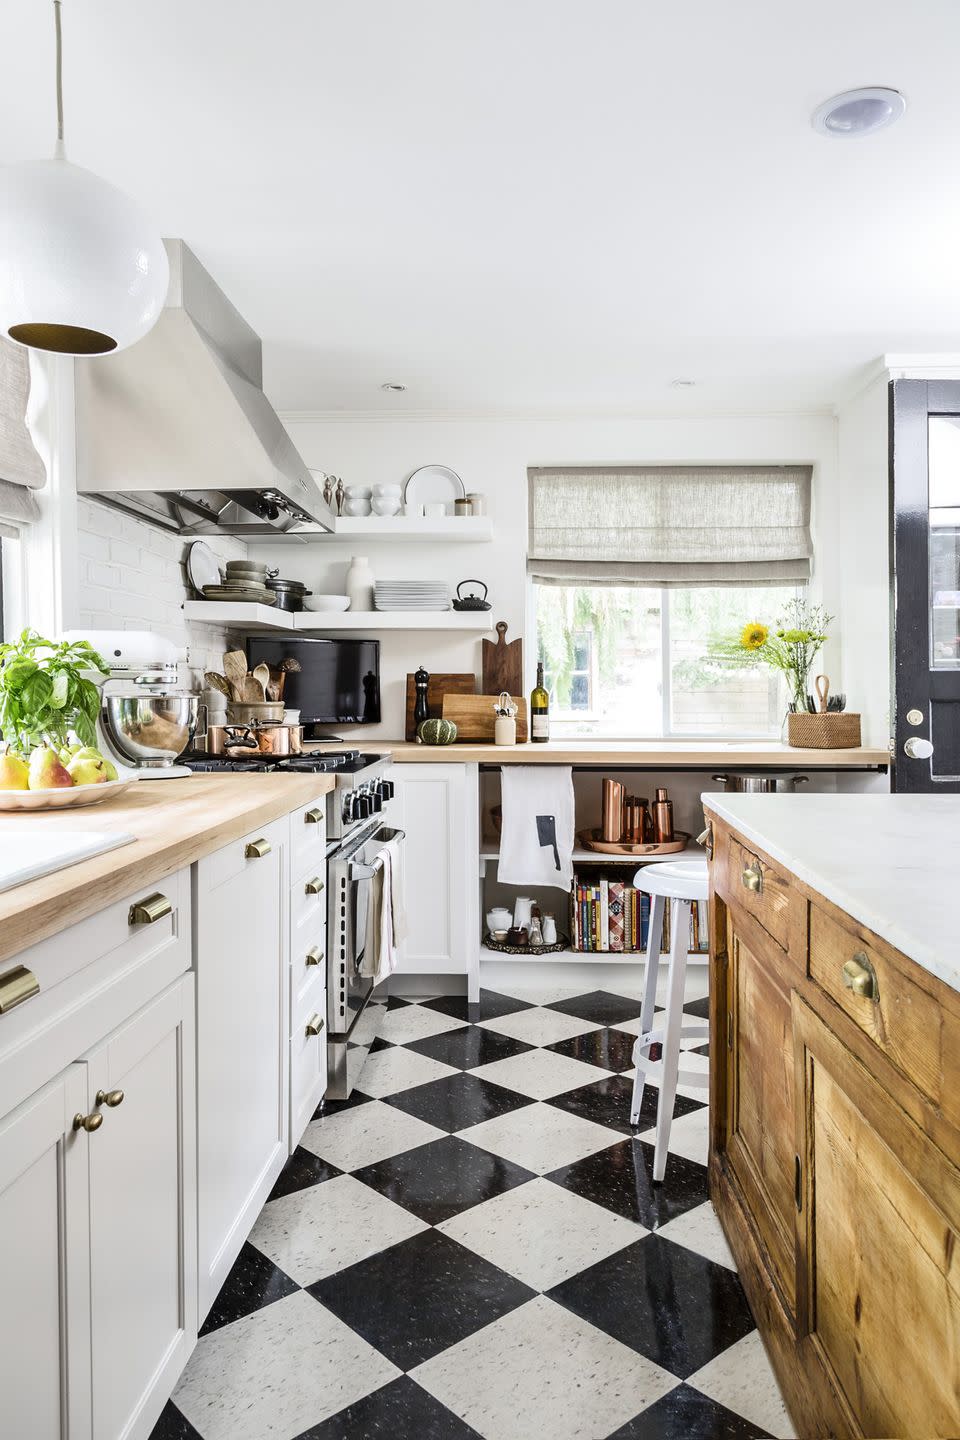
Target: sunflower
[(754, 636)]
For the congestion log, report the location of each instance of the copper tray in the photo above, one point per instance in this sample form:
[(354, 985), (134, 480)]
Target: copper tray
[(590, 840)]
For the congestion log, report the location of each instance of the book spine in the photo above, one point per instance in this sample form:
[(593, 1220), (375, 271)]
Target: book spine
[(604, 915)]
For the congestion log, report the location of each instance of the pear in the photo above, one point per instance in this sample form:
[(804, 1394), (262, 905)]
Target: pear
[(110, 770), (46, 770), (84, 770), (85, 752), (14, 773), (67, 753)]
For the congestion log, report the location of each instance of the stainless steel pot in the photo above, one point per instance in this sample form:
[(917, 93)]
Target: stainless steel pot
[(150, 731), (263, 712), (761, 784), (289, 593)]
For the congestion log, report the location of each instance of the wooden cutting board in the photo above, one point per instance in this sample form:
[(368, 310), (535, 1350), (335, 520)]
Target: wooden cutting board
[(474, 716), (502, 664), (437, 687)]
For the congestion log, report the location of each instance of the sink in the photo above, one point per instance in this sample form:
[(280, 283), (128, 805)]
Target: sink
[(26, 857)]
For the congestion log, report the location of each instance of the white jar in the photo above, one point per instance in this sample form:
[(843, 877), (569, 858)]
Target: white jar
[(505, 730), (360, 583)]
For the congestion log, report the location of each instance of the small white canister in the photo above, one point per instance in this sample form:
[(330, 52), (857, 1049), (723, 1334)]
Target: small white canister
[(505, 730)]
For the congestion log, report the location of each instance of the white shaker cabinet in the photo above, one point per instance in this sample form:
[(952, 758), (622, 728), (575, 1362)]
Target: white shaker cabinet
[(438, 813), (240, 924)]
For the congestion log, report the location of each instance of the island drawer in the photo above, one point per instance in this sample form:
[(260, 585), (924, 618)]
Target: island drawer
[(308, 839), (872, 987), (750, 881)]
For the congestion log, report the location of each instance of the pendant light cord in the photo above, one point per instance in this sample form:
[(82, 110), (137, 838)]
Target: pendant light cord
[(59, 33)]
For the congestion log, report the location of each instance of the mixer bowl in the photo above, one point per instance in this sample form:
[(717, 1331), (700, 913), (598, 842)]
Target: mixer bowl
[(150, 730)]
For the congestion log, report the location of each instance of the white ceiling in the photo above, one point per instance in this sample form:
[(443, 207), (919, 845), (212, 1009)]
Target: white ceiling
[(528, 205)]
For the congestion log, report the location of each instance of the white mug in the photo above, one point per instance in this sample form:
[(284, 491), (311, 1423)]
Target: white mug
[(522, 910)]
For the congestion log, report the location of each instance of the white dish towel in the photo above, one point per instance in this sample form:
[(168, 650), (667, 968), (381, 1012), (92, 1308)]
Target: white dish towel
[(386, 918), (532, 794)]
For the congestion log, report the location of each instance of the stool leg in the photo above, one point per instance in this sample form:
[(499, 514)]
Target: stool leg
[(680, 930), (653, 964)]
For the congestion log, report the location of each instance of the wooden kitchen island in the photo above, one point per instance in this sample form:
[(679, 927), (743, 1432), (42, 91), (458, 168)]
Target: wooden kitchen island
[(835, 1097)]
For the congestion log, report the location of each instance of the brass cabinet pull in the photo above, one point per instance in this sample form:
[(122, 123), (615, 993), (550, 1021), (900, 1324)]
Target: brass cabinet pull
[(751, 877), (314, 956), (314, 1025), (17, 985), (705, 838), (256, 849), (149, 911), (860, 977), (313, 817), (112, 1098), (88, 1122), (314, 886)]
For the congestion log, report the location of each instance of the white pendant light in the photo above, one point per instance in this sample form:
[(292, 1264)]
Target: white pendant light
[(82, 270)]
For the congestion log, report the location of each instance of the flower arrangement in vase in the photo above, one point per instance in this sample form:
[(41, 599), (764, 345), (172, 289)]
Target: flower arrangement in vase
[(790, 645)]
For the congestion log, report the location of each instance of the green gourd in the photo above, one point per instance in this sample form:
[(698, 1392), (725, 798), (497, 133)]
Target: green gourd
[(436, 732)]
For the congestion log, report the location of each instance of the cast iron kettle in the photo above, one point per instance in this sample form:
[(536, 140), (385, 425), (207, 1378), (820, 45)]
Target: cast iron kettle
[(472, 602)]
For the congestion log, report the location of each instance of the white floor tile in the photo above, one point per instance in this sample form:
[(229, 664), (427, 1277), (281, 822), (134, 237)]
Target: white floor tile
[(543, 1371), (385, 1072), (276, 1372), (540, 1026), (317, 1231), (414, 1022), (540, 1137), (541, 1233), (540, 1073), (689, 1135), (700, 1230), (366, 1134), (742, 1379)]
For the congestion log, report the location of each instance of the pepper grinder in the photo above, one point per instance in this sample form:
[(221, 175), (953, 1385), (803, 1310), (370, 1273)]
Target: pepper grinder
[(421, 710), (339, 498), (662, 817)]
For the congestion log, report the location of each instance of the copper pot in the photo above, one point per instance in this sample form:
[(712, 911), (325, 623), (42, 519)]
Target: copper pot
[(245, 741)]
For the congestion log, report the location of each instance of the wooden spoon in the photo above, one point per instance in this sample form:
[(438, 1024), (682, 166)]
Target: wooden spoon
[(218, 682), (235, 669), (261, 672), (253, 693)]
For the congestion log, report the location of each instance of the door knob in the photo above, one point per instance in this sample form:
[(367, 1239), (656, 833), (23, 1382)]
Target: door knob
[(917, 748), (88, 1122), (113, 1098)]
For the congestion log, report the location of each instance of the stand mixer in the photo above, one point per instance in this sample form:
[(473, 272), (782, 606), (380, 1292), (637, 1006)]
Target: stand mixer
[(147, 717)]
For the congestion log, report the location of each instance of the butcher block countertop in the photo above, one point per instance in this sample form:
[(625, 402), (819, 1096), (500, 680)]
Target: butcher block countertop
[(664, 754), (174, 821)]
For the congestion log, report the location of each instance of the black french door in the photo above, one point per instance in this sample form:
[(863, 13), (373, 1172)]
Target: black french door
[(925, 549)]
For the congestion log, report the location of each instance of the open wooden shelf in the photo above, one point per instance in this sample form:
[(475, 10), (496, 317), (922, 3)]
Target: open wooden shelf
[(237, 615)]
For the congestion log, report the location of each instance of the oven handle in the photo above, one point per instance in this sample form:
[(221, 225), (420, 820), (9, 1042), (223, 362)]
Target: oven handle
[(357, 871)]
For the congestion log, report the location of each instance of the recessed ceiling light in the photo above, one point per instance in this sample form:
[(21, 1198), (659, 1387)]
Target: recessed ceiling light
[(681, 384), (858, 112), (392, 385)]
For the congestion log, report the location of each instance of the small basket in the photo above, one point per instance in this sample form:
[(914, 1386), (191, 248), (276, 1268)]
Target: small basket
[(838, 730)]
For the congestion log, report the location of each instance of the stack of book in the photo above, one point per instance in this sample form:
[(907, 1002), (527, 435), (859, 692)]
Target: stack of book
[(609, 915)]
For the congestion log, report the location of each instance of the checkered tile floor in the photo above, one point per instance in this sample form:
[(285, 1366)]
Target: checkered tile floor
[(472, 1246)]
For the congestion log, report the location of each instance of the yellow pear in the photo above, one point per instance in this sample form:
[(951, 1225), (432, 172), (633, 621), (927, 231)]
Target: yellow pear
[(46, 770), (84, 770), (110, 769), (14, 773)]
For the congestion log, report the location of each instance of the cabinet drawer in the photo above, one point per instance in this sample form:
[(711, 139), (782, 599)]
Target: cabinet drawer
[(308, 838), (308, 1077), (308, 901), (904, 1021), (759, 888), (90, 978), (308, 992)]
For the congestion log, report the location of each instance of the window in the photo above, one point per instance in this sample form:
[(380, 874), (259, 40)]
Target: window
[(634, 661)]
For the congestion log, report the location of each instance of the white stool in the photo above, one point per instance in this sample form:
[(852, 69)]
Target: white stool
[(682, 882)]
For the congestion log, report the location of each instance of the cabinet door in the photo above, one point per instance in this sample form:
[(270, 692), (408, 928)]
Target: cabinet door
[(243, 1032), (142, 1213), (44, 1261), (879, 1234), (760, 1130), (439, 867)]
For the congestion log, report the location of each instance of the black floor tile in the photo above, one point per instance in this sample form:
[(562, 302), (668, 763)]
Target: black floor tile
[(703, 1049), (396, 1003), (380, 1044), (420, 1297), (442, 1178), (669, 1303), (699, 1008), (334, 1107), (600, 1006), (685, 1414), (302, 1170), (173, 1426), (608, 1103), (610, 1049), (621, 1179), (491, 1006), (253, 1282), (469, 1047), (457, 1101), (400, 1411)]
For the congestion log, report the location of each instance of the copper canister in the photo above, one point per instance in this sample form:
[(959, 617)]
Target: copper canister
[(662, 817), (611, 811)]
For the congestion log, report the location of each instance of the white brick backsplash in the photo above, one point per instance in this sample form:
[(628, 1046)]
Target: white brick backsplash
[(124, 553), (110, 576)]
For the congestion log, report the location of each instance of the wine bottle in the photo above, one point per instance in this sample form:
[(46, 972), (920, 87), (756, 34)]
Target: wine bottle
[(539, 710)]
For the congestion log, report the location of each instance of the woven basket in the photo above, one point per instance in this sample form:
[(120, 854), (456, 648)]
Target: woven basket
[(837, 730)]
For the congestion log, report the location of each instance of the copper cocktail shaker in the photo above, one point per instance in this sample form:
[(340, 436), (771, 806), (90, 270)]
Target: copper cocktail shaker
[(662, 817), (611, 811)]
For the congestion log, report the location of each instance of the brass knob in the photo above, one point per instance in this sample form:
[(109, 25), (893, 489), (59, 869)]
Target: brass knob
[(314, 956), (751, 876), (149, 911), (313, 817), (256, 849), (88, 1122), (705, 838), (17, 985), (314, 1025), (314, 886), (860, 977), (113, 1098)]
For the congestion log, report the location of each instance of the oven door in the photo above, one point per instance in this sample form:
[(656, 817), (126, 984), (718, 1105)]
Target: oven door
[(351, 875)]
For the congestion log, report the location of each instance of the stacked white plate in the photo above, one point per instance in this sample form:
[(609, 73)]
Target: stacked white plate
[(411, 595)]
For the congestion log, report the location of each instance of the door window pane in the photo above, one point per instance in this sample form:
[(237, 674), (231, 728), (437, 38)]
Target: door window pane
[(943, 459)]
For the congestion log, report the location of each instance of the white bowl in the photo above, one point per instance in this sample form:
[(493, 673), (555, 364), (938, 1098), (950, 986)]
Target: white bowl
[(356, 505), (387, 490), (326, 602), (358, 492), (385, 504)]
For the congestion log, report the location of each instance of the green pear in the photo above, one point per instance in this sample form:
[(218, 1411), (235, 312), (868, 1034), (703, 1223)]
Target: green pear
[(14, 773), (46, 770), (110, 770), (67, 753), (84, 770), (85, 752)]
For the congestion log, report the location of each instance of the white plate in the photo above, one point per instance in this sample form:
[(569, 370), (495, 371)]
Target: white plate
[(203, 567), (64, 797), (433, 482)]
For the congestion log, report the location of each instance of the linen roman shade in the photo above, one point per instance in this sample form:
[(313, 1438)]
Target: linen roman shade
[(669, 524), (21, 469)]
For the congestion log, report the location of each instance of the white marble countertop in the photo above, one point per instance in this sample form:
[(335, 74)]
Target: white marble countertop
[(892, 862)]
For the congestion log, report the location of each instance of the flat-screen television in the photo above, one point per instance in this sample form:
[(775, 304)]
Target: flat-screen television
[(334, 682)]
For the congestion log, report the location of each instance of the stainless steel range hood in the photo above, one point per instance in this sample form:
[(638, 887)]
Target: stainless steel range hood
[(178, 431)]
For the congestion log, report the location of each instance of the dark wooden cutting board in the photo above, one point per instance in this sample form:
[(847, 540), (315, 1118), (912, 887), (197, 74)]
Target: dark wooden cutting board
[(437, 687), (502, 664)]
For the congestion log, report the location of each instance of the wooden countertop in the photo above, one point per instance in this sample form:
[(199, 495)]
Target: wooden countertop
[(663, 754), (175, 822)]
